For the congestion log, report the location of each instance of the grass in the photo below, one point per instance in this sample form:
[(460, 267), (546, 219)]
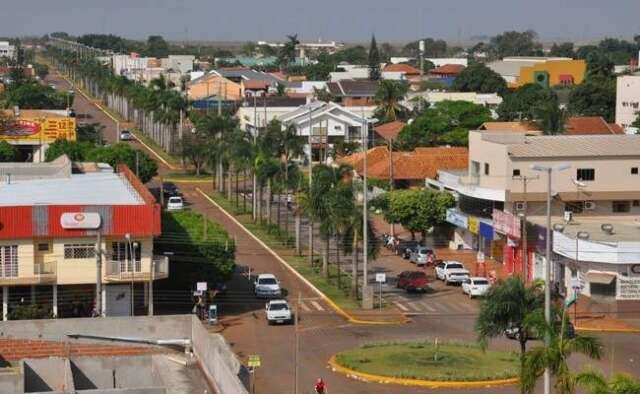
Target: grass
[(422, 360), (284, 245), (174, 161)]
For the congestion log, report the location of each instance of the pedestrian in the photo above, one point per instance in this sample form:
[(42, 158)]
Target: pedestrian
[(320, 387)]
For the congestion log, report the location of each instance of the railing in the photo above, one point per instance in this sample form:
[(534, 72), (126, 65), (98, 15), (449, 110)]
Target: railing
[(161, 266), (470, 180), (45, 268), (122, 270), (8, 271)]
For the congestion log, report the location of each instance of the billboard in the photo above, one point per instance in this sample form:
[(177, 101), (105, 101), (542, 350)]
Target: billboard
[(39, 130)]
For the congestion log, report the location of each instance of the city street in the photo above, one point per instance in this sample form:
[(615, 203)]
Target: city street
[(443, 313)]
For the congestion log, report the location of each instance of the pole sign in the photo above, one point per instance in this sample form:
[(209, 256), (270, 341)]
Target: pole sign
[(254, 361), (381, 277), (201, 286), (80, 220)]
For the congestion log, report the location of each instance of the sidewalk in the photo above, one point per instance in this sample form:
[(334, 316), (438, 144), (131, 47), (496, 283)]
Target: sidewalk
[(588, 316)]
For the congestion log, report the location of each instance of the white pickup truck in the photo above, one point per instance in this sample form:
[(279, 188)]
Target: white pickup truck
[(267, 286), (278, 311), (451, 272)]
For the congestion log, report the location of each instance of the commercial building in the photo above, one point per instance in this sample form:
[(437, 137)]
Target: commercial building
[(7, 50), (545, 71), (60, 221), (627, 101), (597, 195)]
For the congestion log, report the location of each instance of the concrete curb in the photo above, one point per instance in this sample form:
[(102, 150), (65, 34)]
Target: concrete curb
[(610, 330), (282, 261), (432, 384)]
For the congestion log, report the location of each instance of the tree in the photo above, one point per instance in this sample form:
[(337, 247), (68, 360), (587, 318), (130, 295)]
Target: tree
[(564, 49), (550, 117), (387, 51), (353, 55), (388, 97), (33, 95), (597, 383), (584, 51), (249, 49), (481, 79), (287, 53), (636, 123), (525, 101), (418, 210), (8, 152), (432, 48), (156, 47), (509, 304), (374, 60), (75, 150), (41, 70), (514, 43), (599, 65), (90, 133), (594, 97), (446, 122), (138, 161)]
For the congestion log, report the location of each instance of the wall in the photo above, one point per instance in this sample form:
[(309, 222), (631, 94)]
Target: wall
[(11, 381), (627, 99), (555, 68), (246, 115), (495, 155), (214, 85), (44, 374)]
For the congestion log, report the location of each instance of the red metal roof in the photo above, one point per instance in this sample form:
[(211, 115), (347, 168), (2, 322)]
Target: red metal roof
[(404, 68)]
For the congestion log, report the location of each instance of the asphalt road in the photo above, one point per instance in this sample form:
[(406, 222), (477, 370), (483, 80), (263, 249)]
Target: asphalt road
[(322, 333)]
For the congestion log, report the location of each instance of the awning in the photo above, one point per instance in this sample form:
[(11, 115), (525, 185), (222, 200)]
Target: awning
[(604, 278)]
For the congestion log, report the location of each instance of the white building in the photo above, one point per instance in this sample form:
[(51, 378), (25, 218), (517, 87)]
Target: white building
[(441, 61), (627, 100), (180, 63), (7, 50), (349, 71)]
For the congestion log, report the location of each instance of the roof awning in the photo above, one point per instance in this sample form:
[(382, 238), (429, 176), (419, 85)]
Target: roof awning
[(603, 278)]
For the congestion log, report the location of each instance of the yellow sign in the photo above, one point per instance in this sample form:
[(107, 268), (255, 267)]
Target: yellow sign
[(39, 130), (473, 224), (254, 361)]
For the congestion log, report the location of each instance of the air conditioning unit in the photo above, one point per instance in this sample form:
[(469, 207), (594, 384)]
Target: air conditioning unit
[(520, 206), (589, 205)]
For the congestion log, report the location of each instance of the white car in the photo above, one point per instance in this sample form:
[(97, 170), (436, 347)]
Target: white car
[(451, 272), (476, 286), (125, 135), (175, 204), (278, 311), (266, 286)]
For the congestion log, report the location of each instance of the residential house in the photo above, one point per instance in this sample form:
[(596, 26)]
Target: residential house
[(349, 72), (489, 100), (400, 72), (388, 132), (212, 84), (446, 73), (584, 125), (254, 83), (7, 50), (352, 93), (255, 112), (545, 71), (628, 101), (441, 61)]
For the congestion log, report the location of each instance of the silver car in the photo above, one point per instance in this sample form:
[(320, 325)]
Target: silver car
[(420, 255)]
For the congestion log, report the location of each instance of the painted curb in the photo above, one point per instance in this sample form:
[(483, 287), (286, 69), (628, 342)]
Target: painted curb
[(282, 261), (610, 330), (432, 384)]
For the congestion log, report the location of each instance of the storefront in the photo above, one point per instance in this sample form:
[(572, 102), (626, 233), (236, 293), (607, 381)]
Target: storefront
[(471, 232), (507, 229)]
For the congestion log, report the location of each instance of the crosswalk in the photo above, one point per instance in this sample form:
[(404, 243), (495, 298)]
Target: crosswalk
[(432, 306)]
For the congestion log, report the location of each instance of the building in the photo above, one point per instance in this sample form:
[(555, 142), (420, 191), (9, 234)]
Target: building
[(446, 73), (584, 125), (182, 64), (597, 195), (52, 216), (546, 71), (489, 100), (441, 61), (31, 131), (527, 128), (353, 93), (255, 112), (349, 72), (627, 101), (400, 72), (212, 84), (7, 50), (389, 131)]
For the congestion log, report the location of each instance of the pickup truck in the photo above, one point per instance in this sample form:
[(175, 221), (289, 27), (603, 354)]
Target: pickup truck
[(451, 272), (278, 311), (266, 286)]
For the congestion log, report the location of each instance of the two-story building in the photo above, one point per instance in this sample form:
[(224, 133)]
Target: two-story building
[(65, 226)]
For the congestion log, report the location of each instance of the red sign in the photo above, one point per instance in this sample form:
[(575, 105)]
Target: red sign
[(21, 128), (506, 223)]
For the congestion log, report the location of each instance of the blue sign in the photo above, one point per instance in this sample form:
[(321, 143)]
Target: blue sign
[(456, 218), (486, 230)]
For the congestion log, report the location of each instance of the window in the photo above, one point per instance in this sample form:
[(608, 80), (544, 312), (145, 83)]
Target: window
[(43, 247), (636, 203), (9, 261), (120, 251), (634, 170), (79, 251), (516, 172), (486, 168), (475, 168), (621, 206), (585, 174), (574, 206)]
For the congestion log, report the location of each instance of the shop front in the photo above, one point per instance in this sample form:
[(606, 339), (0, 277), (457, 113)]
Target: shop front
[(471, 232)]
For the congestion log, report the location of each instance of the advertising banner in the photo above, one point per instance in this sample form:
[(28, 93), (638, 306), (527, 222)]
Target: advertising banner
[(456, 218), (628, 288), (506, 223), (80, 220), (474, 224), (39, 130)]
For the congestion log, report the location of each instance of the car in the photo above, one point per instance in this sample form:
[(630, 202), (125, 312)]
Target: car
[(476, 286), (412, 281), (513, 331), (420, 255), (175, 203), (267, 285), (404, 248), (451, 272), (125, 135), (278, 311), (170, 190)]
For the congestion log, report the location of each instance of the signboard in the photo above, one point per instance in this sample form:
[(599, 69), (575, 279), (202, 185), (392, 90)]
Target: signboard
[(456, 218), (254, 361), (506, 223), (474, 225), (381, 277), (628, 288), (39, 130), (201, 286), (576, 284), (80, 220)]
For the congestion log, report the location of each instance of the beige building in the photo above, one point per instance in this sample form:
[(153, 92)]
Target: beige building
[(213, 84), (627, 100)]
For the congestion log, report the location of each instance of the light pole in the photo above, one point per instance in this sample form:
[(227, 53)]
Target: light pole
[(365, 235), (132, 258), (547, 266)]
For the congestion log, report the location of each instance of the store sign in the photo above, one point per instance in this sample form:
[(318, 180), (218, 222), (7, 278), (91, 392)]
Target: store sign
[(474, 225), (39, 130), (456, 218), (80, 220), (628, 288), (506, 223), (635, 268)]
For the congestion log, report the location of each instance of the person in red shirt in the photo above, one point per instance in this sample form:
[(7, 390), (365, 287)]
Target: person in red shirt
[(321, 388)]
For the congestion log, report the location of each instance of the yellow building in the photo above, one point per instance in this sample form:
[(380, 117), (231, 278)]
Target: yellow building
[(552, 73)]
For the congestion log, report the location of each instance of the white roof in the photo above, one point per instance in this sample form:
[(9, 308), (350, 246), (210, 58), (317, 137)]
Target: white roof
[(265, 276), (96, 188)]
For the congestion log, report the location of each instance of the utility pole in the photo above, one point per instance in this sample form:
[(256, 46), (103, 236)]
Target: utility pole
[(525, 252), (310, 185), (391, 225), (365, 235), (296, 322), (421, 60), (98, 272)]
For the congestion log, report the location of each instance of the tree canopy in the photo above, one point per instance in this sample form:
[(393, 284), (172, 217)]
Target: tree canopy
[(514, 43), (524, 102), (479, 78), (432, 48), (594, 97), (29, 94), (374, 60), (418, 210), (8, 152), (564, 49), (156, 47)]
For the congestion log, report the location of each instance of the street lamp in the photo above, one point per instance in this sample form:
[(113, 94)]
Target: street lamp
[(132, 246), (547, 266)]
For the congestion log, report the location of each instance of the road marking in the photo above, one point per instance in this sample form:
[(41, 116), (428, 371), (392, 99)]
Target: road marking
[(414, 307), (399, 305), (305, 307), (428, 307), (317, 306)]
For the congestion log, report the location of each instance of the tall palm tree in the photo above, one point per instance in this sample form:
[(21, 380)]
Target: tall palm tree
[(350, 239), (388, 97), (597, 383)]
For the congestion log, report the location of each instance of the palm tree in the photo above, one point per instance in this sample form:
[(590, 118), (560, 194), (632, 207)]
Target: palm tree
[(509, 305), (618, 384), (388, 98), (555, 355)]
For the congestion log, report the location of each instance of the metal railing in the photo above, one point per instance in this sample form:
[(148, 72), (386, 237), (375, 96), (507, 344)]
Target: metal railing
[(124, 270), (44, 268), (470, 179), (161, 266)]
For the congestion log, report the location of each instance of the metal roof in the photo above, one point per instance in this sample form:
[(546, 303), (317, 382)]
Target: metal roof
[(576, 146)]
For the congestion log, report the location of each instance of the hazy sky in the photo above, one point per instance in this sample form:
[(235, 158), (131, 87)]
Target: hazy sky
[(342, 20)]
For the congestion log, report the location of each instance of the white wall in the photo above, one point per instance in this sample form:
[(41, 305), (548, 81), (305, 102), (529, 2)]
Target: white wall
[(627, 99), (441, 61)]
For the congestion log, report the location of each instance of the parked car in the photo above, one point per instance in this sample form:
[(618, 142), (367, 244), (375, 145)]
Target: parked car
[(125, 135), (421, 255), (267, 285), (170, 190), (513, 332), (404, 247), (476, 286), (175, 203), (451, 272), (278, 311), (412, 281)]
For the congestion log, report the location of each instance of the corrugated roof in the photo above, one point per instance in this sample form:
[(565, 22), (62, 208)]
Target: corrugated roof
[(352, 87), (577, 146)]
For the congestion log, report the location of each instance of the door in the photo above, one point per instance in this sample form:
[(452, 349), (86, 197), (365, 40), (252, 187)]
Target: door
[(118, 299)]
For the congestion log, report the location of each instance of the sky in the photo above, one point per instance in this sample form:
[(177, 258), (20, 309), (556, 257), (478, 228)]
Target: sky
[(340, 20)]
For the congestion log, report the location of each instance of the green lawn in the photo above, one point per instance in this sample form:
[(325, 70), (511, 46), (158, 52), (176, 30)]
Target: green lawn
[(420, 360)]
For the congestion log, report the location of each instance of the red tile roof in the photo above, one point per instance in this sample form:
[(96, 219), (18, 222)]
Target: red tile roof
[(448, 69), (12, 349), (403, 68), (589, 125), (389, 131)]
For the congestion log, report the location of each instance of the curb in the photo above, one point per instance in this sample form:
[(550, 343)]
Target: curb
[(610, 330), (432, 384), (282, 261)]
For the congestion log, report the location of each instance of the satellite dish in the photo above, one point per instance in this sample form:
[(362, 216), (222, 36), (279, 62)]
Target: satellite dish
[(578, 183)]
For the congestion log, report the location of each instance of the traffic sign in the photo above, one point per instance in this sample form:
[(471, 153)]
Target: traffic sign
[(254, 361), (381, 277), (201, 286)]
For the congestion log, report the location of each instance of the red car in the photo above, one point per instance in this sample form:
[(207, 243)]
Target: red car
[(412, 281)]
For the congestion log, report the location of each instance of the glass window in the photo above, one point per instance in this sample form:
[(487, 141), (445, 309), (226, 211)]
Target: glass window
[(9, 261), (475, 168), (486, 168), (585, 174), (634, 170), (79, 251), (516, 172), (43, 247), (621, 206)]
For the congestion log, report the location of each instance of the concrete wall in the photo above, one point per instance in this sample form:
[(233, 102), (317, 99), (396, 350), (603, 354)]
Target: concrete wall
[(47, 375), (90, 373), (11, 381), (627, 99)]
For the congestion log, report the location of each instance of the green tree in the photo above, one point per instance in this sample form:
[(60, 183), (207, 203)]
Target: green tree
[(418, 210), (8, 152), (594, 97), (584, 51), (479, 78), (90, 133), (33, 95), (138, 161), (352, 55), (432, 48), (374, 60), (597, 383), (446, 122), (287, 53), (636, 123), (514, 43), (249, 49), (550, 118), (599, 65), (156, 47), (525, 101), (75, 150), (388, 98), (564, 49)]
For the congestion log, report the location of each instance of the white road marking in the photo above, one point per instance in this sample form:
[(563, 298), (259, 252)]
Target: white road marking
[(317, 306), (305, 307), (399, 305), (428, 307), (414, 307)]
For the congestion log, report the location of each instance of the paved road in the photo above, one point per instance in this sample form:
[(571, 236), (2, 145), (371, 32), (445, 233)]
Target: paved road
[(322, 333)]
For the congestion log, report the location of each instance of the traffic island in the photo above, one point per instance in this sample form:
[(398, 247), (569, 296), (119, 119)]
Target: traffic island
[(428, 364)]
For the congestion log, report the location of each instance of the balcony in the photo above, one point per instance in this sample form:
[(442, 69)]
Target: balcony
[(121, 271), (43, 273)]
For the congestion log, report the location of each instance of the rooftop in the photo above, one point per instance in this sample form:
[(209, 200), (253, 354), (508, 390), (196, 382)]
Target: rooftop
[(352, 87), (510, 126), (584, 125), (401, 67), (453, 69), (389, 131), (624, 228)]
